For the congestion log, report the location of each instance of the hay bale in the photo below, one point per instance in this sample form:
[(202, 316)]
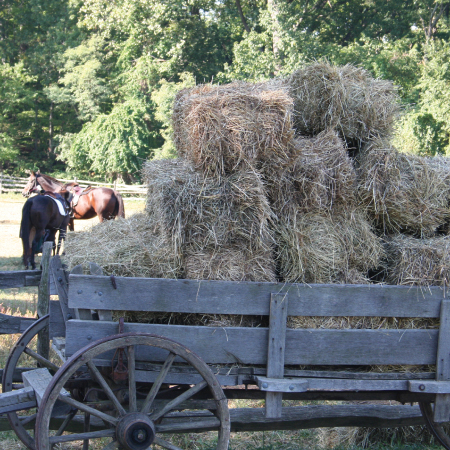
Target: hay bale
[(317, 248), (418, 262), (319, 177), (190, 209), (221, 129), (345, 98), (124, 247), (228, 264), (403, 193)]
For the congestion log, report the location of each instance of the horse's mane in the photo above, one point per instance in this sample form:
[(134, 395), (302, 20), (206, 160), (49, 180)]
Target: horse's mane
[(48, 177)]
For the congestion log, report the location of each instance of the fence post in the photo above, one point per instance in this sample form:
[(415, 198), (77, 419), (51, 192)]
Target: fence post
[(1, 182), (43, 344)]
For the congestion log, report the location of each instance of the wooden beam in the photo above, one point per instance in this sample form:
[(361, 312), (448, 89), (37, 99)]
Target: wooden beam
[(19, 278)]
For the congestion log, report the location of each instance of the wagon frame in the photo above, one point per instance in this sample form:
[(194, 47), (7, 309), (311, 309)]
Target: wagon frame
[(135, 384)]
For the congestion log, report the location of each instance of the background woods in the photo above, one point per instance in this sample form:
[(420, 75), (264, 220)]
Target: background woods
[(87, 86)]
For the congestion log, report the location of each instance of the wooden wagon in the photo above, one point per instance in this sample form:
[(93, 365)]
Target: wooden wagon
[(134, 386)]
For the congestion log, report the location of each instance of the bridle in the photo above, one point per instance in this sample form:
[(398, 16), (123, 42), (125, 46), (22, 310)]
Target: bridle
[(31, 187)]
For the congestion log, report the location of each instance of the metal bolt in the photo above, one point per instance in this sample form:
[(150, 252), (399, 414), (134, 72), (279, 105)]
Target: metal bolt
[(79, 291), (89, 338), (100, 293), (421, 387), (291, 387), (59, 279), (265, 385)]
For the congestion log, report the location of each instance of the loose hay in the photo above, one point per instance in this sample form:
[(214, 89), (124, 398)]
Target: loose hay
[(421, 262), (191, 209), (124, 247), (319, 177), (403, 193), (221, 129), (346, 98)]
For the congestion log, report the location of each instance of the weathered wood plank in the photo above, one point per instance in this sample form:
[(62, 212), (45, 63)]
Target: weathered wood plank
[(95, 269), (294, 418), (13, 324), (442, 404), (20, 278), (17, 400), (39, 379), (276, 349), (249, 345), (222, 297), (80, 313), (57, 327), (58, 275), (43, 342)]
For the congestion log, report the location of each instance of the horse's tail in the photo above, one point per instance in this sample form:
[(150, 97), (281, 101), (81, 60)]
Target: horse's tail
[(121, 211), (25, 230)]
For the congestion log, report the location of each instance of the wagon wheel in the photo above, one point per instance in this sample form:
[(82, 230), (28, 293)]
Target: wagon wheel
[(21, 348), (440, 431), (134, 424)]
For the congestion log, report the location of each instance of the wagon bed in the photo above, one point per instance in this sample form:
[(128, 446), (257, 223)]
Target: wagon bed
[(164, 379)]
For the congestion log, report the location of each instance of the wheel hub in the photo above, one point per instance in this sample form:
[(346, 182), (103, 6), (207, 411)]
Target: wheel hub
[(135, 431)]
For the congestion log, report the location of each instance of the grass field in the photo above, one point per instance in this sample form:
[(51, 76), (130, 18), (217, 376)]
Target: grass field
[(22, 302)]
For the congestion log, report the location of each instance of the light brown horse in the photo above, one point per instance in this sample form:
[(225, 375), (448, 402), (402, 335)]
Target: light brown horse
[(105, 203)]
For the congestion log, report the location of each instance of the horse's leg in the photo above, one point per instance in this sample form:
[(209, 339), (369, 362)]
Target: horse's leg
[(28, 252), (50, 236), (35, 246)]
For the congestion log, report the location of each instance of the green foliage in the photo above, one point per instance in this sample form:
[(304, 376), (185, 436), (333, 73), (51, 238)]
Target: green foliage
[(164, 98), (114, 144), (8, 152)]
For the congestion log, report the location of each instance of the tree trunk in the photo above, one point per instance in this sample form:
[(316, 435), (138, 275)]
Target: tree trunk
[(274, 13), (50, 129), (241, 15)]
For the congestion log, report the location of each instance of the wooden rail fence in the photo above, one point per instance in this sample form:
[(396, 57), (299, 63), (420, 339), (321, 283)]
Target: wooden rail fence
[(16, 184)]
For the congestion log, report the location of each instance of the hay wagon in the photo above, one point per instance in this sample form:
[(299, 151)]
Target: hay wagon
[(137, 385)]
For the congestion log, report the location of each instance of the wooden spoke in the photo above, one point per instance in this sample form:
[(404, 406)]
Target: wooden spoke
[(66, 422), (82, 436), (87, 428), (88, 409), (41, 360), (132, 379), (28, 419), (181, 398), (164, 444), (98, 376), (157, 384)]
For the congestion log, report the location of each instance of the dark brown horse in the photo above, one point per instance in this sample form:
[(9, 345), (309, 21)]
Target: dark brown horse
[(105, 203), (41, 219)]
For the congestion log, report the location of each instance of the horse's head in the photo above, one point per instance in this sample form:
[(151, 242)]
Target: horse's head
[(32, 184)]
